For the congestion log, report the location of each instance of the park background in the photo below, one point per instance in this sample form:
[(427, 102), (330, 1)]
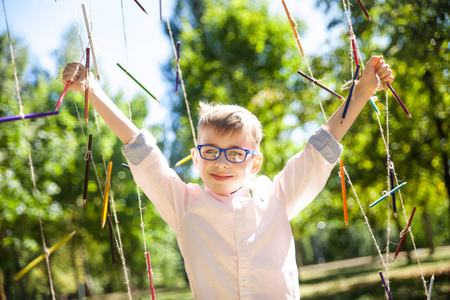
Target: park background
[(240, 52)]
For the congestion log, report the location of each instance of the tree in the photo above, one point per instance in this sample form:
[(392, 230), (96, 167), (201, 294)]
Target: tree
[(58, 148)]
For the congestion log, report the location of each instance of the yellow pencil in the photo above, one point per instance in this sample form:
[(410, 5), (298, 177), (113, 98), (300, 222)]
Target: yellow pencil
[(41, 257), (183, 160), (105, 199), (344, 197)]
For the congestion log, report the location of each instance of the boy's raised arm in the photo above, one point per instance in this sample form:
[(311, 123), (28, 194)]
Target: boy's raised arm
[(375, 77), (75, 74)]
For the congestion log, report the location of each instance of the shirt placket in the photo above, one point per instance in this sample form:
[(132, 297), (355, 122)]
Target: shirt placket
[(242, 250)]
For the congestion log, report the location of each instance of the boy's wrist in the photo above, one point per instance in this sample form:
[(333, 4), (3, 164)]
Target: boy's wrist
[(361, 93)]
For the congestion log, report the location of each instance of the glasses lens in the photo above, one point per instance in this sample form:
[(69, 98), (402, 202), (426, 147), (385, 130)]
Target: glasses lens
[(209, 152), (236, 155)]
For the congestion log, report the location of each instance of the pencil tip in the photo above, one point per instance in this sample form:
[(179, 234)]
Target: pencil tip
[(84, 202), (395, 215), (103, 224), (346, 223)]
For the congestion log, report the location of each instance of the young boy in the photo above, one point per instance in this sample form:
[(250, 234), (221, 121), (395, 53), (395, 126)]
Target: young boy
[(234, 233)]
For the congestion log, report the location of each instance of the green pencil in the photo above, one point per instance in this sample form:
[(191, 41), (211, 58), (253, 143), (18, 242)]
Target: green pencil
[(137, 82)]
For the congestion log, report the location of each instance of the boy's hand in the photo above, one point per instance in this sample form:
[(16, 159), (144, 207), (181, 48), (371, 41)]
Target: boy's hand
[(75, 74), (375, 77)]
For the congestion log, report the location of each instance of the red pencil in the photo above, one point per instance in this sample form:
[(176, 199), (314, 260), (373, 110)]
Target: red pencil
[(61, 98), (404, 234), (150, 275)]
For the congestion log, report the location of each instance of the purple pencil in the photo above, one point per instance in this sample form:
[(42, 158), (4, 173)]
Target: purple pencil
[(385, 286), (178, 65), (399, 101), (28, 116)]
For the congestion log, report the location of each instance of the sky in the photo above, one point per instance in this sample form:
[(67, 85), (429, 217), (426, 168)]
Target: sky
[(41, 26)]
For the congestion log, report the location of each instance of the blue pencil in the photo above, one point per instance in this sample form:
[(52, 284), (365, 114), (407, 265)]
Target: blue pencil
[(350, 94), (385, 196)]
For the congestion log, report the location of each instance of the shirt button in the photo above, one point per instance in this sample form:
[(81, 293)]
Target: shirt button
[(244, 283), (241, 244)]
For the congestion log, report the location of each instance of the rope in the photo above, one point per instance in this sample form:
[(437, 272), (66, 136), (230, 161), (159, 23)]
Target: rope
[(182, 84), (30, 159)]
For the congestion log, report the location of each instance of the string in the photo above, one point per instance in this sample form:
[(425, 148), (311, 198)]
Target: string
[(30, 159), (182, 83), (388, 230), (126, 57), (118, 237)]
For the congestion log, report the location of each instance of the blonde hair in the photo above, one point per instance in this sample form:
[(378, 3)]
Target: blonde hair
[(232, 119)]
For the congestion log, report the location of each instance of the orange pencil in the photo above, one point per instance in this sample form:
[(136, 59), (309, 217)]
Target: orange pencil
[(344, 197), (105, 199), (293, 27)]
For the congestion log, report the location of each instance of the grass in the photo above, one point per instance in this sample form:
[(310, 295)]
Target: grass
[(356, 279)]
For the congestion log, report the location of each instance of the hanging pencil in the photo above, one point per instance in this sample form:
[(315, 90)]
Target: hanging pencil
[(183, 160), (86, 175), (111, 235), (344, 197), (150, 275), (140, 6), (349, 98), (41, 257), (86, 91), (387, 194), (391, 177), (28, 116), (321, 85), (61, 98), (364, 10), (91, 42), (135, 80), (388, 292), (106, 194), (293, 28), (178, 67), (404, 233)]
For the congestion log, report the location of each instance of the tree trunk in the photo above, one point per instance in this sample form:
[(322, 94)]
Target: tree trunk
[(429, 232)]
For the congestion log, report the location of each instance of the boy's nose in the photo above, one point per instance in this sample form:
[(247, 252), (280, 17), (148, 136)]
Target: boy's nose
[(222, 161)]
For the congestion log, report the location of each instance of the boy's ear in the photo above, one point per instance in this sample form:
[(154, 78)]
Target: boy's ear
[(256, 164), (195, 157)]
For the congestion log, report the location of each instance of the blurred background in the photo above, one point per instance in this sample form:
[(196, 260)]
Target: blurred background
[(234, 52)]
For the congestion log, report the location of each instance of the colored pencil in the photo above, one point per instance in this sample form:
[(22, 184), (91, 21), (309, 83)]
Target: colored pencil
[(321, 86), (344, 197), (385, 286), (140, 6), (111, 235), (349, 98), (293, 28), (86, 175), (86, 92), (399, 100), (28, 116), (41, 257), (183, 160), (404, 233), (91, 42), (105, 199), (61, 98), (150, 275), (178, 66), (364, 10), (131, 76), (431, 287), (385, 196)]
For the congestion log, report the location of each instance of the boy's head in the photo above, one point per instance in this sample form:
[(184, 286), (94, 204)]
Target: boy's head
[(230, 119), (223, 127)]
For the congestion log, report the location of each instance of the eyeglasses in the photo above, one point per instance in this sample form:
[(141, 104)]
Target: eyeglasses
[(233, 155)]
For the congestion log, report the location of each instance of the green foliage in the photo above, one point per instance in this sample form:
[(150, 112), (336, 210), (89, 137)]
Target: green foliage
[(58, 148)]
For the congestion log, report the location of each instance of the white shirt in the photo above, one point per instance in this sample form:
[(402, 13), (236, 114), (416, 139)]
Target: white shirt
[(240, 246)]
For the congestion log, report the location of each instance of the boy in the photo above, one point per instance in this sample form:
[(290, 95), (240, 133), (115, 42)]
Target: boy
[(234, 233)]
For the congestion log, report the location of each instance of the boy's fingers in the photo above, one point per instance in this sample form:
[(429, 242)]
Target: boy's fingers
[(373, 61)]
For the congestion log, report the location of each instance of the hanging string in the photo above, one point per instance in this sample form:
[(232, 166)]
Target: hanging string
[(126, 57), (388, 230), (118, 237), (30, 159), (182, 83)]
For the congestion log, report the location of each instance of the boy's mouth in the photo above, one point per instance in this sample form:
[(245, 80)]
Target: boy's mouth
[(221, 177)]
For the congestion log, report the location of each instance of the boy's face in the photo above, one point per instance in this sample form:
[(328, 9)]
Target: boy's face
[(222, 176)]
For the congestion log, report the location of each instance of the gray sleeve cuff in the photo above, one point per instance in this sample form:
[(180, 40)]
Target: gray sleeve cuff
[(140, 148), (326, 144)]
